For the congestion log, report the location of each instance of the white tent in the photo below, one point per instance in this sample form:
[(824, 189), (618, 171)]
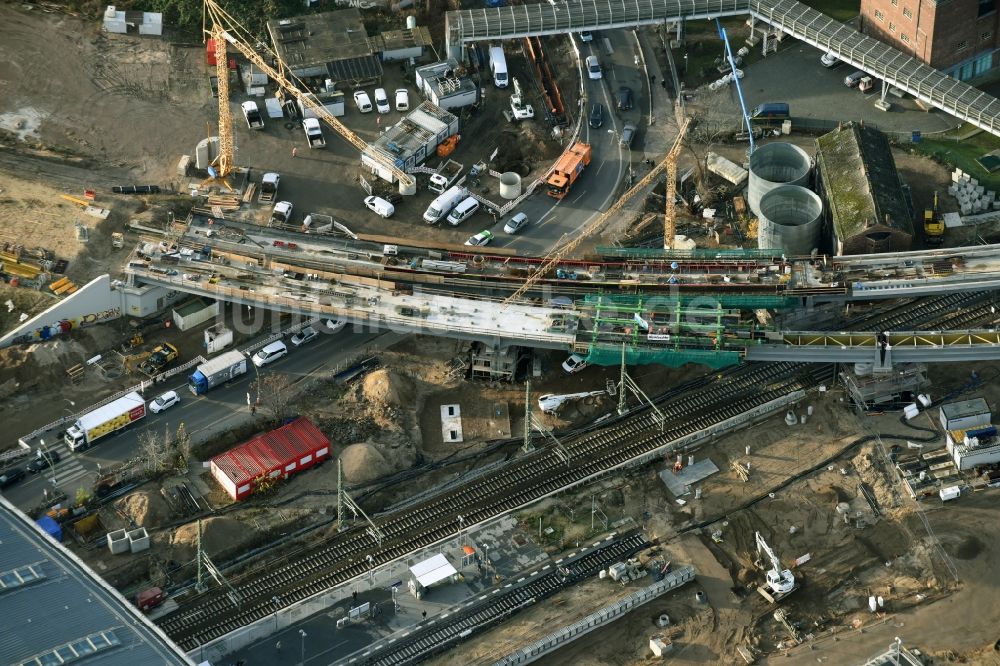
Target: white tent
[(433, 570)]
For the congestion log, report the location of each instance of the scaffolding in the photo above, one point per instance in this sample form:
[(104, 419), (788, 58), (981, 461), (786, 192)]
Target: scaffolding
[(869, 390)]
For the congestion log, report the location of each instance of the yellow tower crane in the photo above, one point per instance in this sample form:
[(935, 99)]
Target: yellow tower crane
[(669, 212), (222, 165), (554, 257), (226, 29)]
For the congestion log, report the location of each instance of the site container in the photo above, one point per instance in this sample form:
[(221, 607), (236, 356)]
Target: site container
[(279, 453)]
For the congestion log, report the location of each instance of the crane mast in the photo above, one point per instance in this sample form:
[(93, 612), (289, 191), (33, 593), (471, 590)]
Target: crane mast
[(669, 208), (225, 29), (557, 255)]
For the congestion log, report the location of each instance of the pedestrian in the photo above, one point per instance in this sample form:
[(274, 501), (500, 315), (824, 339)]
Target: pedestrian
[(354, 594), (295, 151), (425, 615), (663, 82), (652, 79), (253, 410), (277, 646)]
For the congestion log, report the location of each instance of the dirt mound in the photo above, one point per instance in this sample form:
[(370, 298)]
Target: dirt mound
[(146, 509), (363, 463), (385, 387), (38, 365), (218, 535)]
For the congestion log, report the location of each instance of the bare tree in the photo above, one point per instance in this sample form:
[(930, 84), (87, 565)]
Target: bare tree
[(156, 449), (273, 393), (182, 446)]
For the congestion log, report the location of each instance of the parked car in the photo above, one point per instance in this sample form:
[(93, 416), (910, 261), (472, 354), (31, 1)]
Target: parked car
[(593, 67), (829, 60), (852, 79), (10, 477), (402, 99), (624, 98), (480, 239), (164, 402), (586, 36), (596, 115), (334, 325), (628, 134), (43, 461), (516, 223), (574, 364), (270, 353), (362, 100), (382, 101), (307, 334), (380, 206)]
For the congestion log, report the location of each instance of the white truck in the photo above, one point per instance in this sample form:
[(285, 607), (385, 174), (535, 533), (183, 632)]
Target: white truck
[(443, 204), (269, 187), (110, 418), (445, 176), (314, 133), (498, 67), (282, 213), (255, 121)]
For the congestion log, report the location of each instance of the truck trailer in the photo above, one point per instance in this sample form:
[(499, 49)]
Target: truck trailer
[(216, 371), (314, 133), (110, 418), (568, 169)]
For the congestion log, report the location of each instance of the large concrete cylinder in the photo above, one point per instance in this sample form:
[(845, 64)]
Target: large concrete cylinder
[(510, 185), (773, 165), (790, 218)]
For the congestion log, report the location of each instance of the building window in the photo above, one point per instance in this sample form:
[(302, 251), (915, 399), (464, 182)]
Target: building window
[(962, 45), (907, 13), (986, 36), (905, 37), (986, 7), (879, 15), (892, 27)]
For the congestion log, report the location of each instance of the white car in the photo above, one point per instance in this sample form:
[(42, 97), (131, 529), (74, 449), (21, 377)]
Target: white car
[(269, 354), (593, 67), (586, 36), (480, 239), (829, 60), (307, 334), (382, 101), (363, 102), (334, 325), (402, 99), (165, 401), (515, 223), (379, 206), (574, 364)]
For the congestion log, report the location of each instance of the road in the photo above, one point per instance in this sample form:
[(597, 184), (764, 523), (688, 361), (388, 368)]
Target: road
[(203, 416), (551, 219)]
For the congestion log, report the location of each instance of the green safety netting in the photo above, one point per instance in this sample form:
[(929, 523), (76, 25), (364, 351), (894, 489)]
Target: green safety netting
[(699, 253), (726, 301), (673, 358)]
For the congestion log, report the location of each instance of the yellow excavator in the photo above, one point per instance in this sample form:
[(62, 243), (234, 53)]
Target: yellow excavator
[(933, 224)]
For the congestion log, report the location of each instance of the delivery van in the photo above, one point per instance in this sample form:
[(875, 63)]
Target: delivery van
[(443, 204), (463, 211)]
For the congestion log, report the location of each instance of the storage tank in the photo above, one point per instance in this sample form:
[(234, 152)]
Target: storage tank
[(774, 165), (790, 218)]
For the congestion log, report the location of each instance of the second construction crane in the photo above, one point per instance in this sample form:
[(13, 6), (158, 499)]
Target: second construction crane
[(225, 29)]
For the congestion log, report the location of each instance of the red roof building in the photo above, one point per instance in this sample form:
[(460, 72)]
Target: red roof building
[(291, 448)]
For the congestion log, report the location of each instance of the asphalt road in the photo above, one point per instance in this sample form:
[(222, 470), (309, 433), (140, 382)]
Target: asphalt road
[(204, 416), (551, 219)]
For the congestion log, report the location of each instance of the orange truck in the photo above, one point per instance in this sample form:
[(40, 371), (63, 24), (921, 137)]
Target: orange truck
[(568, 169)]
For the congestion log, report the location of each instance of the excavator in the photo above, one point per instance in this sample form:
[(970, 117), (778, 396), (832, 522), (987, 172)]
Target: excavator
[(933, 224), (780, 582)]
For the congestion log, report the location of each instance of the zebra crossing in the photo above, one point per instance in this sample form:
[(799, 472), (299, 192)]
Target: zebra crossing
[(68, 470)]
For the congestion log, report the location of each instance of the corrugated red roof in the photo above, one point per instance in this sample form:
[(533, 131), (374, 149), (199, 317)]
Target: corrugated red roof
[(271, 451)]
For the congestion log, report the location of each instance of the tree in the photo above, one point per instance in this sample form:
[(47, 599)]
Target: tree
[(273, 393), (156, 450), (182, 446), (82, 496)]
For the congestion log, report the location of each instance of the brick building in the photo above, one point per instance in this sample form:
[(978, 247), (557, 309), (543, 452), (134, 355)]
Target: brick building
[(959, 37)]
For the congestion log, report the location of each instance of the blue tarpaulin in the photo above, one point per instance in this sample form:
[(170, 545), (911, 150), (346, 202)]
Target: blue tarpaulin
[(51, 527)]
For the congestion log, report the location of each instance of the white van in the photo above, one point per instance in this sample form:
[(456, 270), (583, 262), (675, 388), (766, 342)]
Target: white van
[(270, 353), (498, 66), (380, 206), (444, 203), (463, 211)]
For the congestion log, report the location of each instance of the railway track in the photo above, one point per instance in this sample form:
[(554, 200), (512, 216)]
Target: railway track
[(687, 408), (424, 642)]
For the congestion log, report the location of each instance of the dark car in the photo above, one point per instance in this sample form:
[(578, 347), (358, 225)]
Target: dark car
[(624, 99), (42, 462), (11, 476), (596, 116)]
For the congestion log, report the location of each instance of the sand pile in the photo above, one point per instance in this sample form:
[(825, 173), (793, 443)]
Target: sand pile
[(146, 509), (38, 365), (363, 463), (218, 536), (385, 387)]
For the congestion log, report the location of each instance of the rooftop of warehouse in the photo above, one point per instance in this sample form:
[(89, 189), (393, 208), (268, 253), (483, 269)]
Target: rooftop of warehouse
[(316, 39), (861, 182), (57, 610), (393, 40)]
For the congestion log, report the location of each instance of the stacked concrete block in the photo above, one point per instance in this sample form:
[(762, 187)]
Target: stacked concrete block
[(118, 542), (138, 540)]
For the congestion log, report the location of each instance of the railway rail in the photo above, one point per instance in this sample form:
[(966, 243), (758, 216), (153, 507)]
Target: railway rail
[(425, 641), (687, 408)]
